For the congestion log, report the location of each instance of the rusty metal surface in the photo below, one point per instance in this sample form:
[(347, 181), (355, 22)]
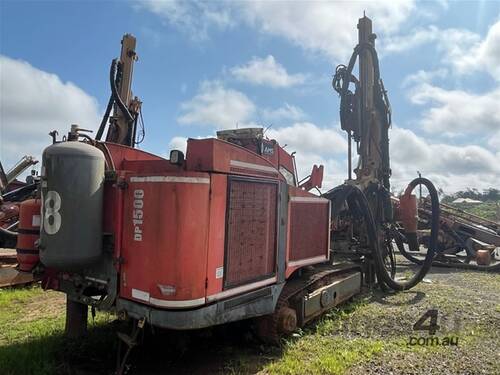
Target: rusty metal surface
[(9, 275), (251, 235), (8, 256)]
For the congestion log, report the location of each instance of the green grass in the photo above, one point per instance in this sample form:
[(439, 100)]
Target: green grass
[(31, 335), (486, 210), (316, 354)]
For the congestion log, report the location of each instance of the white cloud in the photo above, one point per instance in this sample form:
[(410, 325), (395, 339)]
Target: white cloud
[(458, 113), (220, 107), (326, 27), (454, 112), (34, 102), (449, 167), (424, 76), (452, 41), (320, 26), (286, 112), (463, 50), (315, 145), (217, 106), (194, 18), (178, 143), (306, 137), (488, 53), (266, 72), (494, 141)]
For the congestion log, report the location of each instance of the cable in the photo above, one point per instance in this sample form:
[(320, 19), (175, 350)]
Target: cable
[(142, 127)]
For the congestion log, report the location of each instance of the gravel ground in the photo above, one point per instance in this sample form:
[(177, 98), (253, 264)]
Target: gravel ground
[(468, 305)]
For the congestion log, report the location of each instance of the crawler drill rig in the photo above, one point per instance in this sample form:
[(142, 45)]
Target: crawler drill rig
[(225, 232)]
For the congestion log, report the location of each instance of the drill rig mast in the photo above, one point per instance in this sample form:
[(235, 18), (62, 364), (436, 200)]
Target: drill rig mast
[(365, 115), (126, 108)]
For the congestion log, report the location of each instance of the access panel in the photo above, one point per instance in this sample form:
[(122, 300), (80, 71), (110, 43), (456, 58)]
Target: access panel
[(251, 231)]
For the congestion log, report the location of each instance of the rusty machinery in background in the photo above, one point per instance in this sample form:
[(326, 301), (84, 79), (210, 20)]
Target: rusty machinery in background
[(13, 193), (226, 231), (15, 197), (465, 240)]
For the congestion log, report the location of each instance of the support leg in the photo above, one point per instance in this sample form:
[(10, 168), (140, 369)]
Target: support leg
[(76, 319)]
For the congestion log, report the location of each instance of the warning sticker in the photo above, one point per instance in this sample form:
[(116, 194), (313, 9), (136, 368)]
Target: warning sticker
[(219, 272)]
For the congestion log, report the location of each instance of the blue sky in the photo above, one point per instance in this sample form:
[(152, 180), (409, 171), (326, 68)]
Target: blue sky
[(205, 66)]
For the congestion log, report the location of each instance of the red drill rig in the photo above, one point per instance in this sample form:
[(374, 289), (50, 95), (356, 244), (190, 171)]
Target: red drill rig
[(225, 232)]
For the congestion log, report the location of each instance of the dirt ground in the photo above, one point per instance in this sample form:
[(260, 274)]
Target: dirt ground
[(372, 334)]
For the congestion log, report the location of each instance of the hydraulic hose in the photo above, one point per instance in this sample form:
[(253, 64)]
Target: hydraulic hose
[(116, 95), (104, 119), (114, 98), (429, 257), (358, 201), (111, 101)]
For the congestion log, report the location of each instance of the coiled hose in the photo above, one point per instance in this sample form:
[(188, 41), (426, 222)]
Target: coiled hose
[(356, 198), (431, 250)]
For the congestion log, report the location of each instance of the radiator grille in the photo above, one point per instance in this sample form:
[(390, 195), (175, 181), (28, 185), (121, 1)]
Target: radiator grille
[(308, 230), (251, 231)]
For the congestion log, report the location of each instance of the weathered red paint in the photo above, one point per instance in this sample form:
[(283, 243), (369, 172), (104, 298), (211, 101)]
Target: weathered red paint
[(408, 212), (170, 222), (28, 233)]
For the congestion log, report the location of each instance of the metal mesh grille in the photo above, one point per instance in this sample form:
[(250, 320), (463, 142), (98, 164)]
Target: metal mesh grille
[(308, 230), (251, 234)]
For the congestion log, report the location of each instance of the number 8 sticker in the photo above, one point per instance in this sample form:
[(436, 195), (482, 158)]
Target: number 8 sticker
[(52, 217)]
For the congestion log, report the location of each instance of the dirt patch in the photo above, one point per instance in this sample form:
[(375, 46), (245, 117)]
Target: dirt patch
[(49, 305)]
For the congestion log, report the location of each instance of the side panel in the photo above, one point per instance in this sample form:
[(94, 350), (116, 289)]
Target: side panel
[(251, 239), (215, 263), (308, 231), (308, 228), (165, 239)]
